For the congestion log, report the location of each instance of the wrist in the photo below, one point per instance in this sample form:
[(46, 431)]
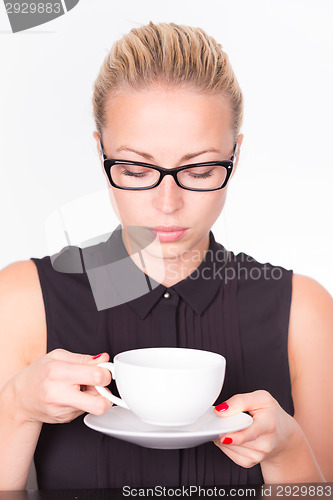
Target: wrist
[(11, 405), (18, 437), (294, 439), (294, 461)]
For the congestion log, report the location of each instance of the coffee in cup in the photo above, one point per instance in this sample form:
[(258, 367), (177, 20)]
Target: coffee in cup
[(166, 385)]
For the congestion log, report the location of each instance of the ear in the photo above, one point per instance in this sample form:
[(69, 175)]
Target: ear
[(97, 139), (239, 143)]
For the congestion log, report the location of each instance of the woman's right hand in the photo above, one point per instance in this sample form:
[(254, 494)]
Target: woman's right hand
[(59, 387)]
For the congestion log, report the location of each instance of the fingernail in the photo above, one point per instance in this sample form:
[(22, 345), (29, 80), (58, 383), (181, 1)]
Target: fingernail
[(227, 441), (97, 356), (222, 407)]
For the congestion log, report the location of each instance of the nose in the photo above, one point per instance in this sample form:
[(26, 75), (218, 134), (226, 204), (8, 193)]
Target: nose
[(168, 196)]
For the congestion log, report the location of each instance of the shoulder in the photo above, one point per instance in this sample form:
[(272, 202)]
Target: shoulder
[(311, 323), (250, 268), (19, 279), (22, 317), (311, 313), (262, 283), (308, 291)]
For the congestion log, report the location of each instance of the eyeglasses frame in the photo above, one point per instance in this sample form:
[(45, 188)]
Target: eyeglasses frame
[(109, 162)]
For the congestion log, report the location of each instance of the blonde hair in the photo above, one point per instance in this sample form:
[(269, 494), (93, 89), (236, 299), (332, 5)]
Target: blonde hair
[(172, 54)]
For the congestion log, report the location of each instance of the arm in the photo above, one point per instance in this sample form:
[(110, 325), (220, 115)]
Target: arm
[(293, 449), (22, 337), (35, 387), (311, 368)]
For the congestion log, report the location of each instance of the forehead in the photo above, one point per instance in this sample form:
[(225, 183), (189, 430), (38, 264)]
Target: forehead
[(157, 115)]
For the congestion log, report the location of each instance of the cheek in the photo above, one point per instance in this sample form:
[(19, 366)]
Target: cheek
[(129, 206), (220, 201), (211, 207)]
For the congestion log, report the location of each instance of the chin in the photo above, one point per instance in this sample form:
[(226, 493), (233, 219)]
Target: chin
[(164, 250)]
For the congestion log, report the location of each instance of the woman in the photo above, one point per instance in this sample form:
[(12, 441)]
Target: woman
[(166, 97)]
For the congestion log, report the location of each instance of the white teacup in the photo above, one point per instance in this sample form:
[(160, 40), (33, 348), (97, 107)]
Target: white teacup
[(166, 385)]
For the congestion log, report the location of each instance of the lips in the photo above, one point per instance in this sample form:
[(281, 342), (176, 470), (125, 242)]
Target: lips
[(169, 233)]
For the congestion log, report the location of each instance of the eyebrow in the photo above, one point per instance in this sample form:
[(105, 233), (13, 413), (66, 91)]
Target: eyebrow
[(151, 158)]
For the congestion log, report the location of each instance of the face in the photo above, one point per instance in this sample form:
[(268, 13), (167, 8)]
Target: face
[(169, 128)]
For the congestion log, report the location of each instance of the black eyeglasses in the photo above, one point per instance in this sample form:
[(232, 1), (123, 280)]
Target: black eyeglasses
[(137, 176)]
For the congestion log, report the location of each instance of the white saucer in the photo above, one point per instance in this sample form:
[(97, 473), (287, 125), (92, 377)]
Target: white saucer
[(123, 424)]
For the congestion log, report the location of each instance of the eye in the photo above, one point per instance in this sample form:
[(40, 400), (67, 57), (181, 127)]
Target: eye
[(200, 172), (133, 174), (204, 175), (136, 171)]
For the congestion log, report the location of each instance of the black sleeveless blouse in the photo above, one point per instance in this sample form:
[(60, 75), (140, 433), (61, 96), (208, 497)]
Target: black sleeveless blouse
[(231, 304)]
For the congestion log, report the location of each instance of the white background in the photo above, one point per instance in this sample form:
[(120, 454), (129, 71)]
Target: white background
[(280, 200)]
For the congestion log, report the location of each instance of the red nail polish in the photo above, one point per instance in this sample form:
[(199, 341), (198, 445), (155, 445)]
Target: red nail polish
[(227, 441), (222, 407), (97, 356)]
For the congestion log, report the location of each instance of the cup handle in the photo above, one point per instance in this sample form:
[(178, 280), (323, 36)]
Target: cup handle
[(105, 392)]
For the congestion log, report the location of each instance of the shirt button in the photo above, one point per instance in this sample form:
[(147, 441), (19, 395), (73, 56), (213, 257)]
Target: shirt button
[(166, 295)]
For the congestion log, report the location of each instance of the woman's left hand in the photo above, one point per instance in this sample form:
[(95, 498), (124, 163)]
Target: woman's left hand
[(274, 437)]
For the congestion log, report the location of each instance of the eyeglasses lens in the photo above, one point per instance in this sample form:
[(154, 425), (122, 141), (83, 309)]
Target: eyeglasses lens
[(134, 176), (204, 177)]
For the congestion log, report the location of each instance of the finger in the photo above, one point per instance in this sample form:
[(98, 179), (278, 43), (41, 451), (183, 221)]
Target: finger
[(69, 357), (72, 357), (243, 457), (99, 358), (97, 405), (251, 402), (232, 448), (67, 415), (91, 390), (80, 374), (248, 438)]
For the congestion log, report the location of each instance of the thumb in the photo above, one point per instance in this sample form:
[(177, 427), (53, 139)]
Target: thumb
[(228, 407), (250, 402)]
